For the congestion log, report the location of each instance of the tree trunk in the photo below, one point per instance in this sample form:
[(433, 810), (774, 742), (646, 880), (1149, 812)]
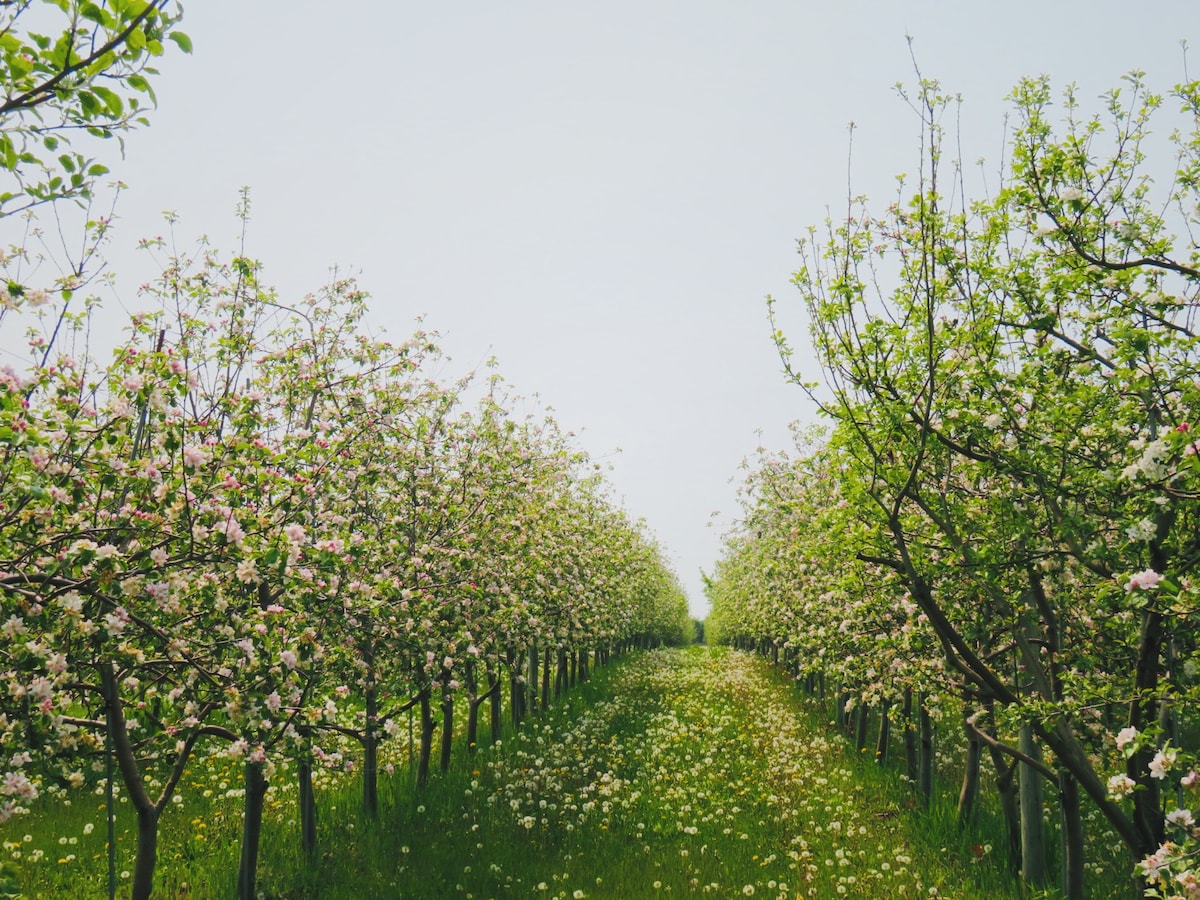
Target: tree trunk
[(560, 676), (308, 809), (531, 679), (925, 773), (1033, 847), (371, 754), (969, 792), (1072, 835), (147, 853), (1010, 807), (516, 690), (911, 748), (426, 747), (583, 666), (473, 701), (885, 734), (256, 791), (447, 727), (147, 811), (862, 717), (546, 679), (495, 705)]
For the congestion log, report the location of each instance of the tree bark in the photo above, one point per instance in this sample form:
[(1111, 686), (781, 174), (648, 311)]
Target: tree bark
[(531, 679), (1033, 847), (426, 747), (1072, 835), (911, 752), (560, 676), (925, 774), (885, 734), (1010, 807), (308, 809), (968, 794), (256, 791), (862, 717), (371, 753), (447, 727)]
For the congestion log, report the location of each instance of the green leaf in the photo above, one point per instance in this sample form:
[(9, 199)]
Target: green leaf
[(112, 100), (20, 65), (8, 152), (95, 170), (136, 40), (95, 14), (182, 40)]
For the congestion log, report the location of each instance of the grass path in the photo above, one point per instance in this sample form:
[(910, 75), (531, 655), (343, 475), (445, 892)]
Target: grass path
[(671, 773), (678, 773)]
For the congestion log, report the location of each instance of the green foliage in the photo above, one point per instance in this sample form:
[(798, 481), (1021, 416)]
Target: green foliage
[(69, 67), (1006, 506)]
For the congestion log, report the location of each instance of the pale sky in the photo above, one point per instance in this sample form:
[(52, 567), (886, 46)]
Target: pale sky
[(598, 194)]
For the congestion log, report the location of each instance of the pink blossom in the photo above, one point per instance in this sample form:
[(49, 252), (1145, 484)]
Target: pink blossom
[(1147, 581), (1126, 736), (1181, 818), (1153, 864), (194, 456), (288, 658), (17, 785), (115, 621), (1162, 762), (1120, 786)]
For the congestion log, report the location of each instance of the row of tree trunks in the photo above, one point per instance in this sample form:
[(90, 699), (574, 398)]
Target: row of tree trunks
[(531, 671), (1019, 785)]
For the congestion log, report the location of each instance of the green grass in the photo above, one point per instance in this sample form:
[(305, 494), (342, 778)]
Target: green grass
[(670, 773)]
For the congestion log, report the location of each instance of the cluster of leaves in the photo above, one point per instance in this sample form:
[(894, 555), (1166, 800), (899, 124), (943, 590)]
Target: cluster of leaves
[(70, 67), (1006, 507)]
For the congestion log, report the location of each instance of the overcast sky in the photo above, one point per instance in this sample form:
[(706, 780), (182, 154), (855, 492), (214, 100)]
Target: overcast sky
[(598, 194)]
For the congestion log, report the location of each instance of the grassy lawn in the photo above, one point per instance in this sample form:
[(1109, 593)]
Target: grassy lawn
[(670, 773)]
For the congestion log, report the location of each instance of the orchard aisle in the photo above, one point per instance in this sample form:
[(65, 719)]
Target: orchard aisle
[(685, 772)]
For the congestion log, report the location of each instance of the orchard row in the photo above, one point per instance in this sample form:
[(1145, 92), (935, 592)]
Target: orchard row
[(1001, 529), (260, 530)]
